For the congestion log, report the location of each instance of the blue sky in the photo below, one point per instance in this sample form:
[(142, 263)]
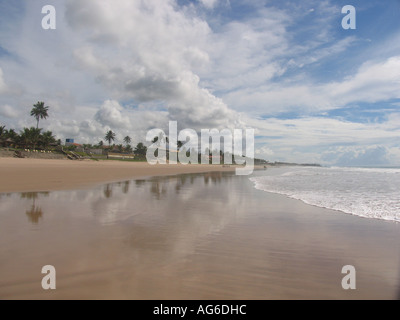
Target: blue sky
[(312, 91)]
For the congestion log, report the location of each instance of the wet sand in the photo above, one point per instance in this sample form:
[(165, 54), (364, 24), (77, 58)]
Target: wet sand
[(19, 175), (192, 236)]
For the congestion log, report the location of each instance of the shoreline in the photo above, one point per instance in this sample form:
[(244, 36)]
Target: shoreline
[(35, 175), (200, 236)]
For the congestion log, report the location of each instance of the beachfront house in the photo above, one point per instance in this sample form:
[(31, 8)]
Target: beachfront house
[(71, 143)]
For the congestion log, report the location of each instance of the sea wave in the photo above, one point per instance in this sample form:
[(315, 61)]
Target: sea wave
[(365, 192)]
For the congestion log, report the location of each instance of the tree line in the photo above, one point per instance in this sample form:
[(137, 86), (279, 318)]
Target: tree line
[(110, 137), (36, 138)]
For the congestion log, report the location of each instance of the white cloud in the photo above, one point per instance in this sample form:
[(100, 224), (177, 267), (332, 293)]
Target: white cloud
[(3, 86), (209, 4), (110, 115), (373, 82), (311, 54), (8, 112), (374, 155), (133, 65), (165, 44), (244, 53), (264, 152), (327, 141)]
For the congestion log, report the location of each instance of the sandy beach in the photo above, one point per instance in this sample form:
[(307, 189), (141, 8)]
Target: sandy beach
[(199, 235), (22, 175)]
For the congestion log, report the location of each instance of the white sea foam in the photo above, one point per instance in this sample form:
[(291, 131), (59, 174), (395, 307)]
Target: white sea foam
[(366, 192)]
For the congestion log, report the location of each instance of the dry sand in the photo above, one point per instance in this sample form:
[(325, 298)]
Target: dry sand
[(24, 175)]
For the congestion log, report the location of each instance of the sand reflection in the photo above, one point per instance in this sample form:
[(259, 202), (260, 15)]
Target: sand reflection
[(192, 236), (35, 212)]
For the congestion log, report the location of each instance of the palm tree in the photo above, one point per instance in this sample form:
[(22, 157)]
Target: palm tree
[(128, 148), (24, 138), (47, 138), (127, 140), (140, 149), (12, 136), (8, 137), (30, 137), (110, 136), (39, 111)]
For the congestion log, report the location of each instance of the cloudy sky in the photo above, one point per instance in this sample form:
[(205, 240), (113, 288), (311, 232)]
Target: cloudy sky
[(313, 91)]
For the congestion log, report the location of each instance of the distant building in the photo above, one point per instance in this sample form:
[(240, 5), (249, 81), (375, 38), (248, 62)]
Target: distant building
[(69, 142)]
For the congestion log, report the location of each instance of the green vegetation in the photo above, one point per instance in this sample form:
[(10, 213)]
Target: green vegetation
[(28, 138), (36, 139), (140, 149), (110, 137), (127, 140), (39, 111)]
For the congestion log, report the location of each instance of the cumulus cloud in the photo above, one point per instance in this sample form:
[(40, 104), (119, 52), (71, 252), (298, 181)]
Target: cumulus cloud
[(131, 66), (358, 156), (328, 141), (110, 115), (8, 112), (264, 152), (165, 44)]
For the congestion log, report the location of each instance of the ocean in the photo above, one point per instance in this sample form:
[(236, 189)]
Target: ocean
[(365, 192)]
